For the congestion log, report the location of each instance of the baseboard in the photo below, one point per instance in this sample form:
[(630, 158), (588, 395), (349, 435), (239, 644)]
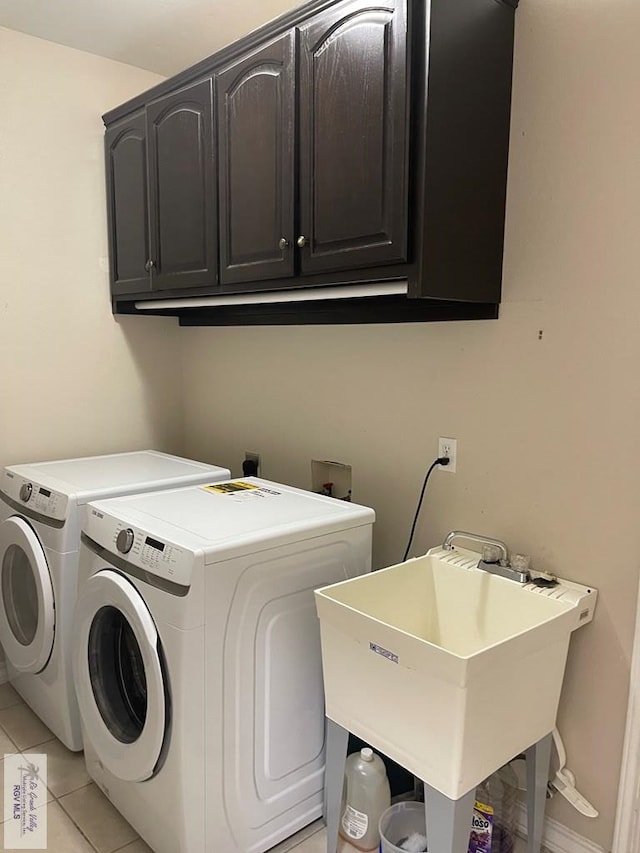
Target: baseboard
[(557, 838), (4, 675)]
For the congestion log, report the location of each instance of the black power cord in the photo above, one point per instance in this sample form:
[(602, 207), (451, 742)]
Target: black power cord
[(441, 460)]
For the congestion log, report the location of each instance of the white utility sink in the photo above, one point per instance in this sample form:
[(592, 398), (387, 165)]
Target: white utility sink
[(449, 670)]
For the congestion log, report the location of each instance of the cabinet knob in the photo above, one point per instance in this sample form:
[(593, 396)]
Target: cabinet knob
[(302, 241), (284, 243), (149, 265)]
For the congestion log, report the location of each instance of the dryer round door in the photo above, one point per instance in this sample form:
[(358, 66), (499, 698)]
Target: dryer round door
[(27, 615), (119, 677)]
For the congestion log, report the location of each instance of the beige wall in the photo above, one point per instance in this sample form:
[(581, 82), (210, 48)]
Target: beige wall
[(547, 427), (74, 380)]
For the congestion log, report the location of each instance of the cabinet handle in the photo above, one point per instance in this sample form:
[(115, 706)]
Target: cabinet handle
[(302, 242), (284, 243), (149, 265)]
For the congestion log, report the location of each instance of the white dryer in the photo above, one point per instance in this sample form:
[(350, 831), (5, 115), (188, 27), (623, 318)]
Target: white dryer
[(39, 547), (197, 658)]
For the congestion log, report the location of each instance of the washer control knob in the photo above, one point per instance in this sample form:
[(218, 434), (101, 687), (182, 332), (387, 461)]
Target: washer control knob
[(124, 542), (26, 490)]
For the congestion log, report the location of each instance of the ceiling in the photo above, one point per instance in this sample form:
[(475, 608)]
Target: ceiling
[(164, 36)]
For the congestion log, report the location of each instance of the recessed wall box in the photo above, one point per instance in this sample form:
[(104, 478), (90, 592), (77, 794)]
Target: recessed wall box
[(331, 478)]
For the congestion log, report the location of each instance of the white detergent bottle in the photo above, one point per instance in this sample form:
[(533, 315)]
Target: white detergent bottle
[(366, 796)]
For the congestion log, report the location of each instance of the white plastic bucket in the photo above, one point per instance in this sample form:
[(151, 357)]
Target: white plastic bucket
[(399, 822)]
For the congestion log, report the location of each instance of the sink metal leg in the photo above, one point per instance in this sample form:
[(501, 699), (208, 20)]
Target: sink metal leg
[(448, 821), (538, 759), (337, 742)]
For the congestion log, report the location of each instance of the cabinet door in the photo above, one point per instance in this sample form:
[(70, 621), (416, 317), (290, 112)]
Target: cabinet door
[(127, 212), (353, 136), (182, 188), (255, 107)]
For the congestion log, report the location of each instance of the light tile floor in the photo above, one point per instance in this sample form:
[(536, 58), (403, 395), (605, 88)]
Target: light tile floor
[(80, 819)]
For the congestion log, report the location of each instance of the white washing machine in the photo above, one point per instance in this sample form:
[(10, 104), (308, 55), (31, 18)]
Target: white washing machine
[(39, 547), (197, 658)]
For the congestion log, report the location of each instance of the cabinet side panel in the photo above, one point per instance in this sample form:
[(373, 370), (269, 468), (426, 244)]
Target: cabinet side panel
[(463, 148)]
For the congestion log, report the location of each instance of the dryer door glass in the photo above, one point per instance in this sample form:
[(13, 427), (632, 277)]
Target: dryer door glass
[(19, 594), (27, 609), (116, 670)]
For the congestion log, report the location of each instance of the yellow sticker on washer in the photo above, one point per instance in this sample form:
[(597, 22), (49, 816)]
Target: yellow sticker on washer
[(229, 488)]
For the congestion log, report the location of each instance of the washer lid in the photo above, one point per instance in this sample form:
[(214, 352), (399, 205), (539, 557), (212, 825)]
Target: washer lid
[(115, 474), (27, 614), (226, 519), (119, 677)]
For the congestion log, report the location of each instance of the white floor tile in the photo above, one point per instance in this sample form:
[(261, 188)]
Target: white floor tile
[(298, 838), (318, 844), (6, 744), (23, 727), (66, 771), (2, 783), (8, 696), (62, 835), (105, 828), (137, 846), (47, 799)]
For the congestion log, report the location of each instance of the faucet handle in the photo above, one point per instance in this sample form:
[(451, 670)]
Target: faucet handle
[(520, 562), (491, 554)]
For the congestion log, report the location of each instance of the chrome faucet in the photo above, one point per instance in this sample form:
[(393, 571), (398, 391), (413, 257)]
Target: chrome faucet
[(495, 555)]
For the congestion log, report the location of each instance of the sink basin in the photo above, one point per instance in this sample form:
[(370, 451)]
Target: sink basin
[(447, 669)]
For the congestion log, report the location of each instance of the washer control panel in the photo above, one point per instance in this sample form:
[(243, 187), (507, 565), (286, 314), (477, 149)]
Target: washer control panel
[(34, 496), (140, 548)]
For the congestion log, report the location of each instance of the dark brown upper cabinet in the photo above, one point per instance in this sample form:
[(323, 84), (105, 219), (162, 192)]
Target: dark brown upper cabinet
[(349, 143), (127, 204), (182, 188), (256, 137), (353, 136)]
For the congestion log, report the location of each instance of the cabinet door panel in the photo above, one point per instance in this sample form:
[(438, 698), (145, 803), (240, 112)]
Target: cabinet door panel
[(353, 136), (255, 106), (127, 212), (182, 188)]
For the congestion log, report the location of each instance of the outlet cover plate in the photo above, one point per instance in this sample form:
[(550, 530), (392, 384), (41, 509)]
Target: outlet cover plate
[(448, 447)]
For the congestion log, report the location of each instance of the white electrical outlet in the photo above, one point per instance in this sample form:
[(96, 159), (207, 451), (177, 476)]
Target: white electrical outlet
[(448, 447)]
